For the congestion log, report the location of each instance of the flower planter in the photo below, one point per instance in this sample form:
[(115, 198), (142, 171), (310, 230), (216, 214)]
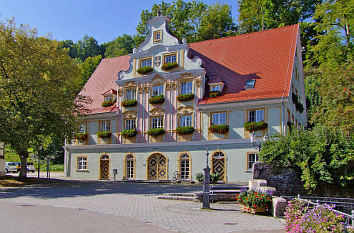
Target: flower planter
[(129, 133), (159, 99), (129, 103), (169, 66), (156, 132), (253, 210), (220, 129), (145, 70), (81, 137), (107, 103), (104, 134), (185, 97), (185, 130), (254, 126), (214, 94)]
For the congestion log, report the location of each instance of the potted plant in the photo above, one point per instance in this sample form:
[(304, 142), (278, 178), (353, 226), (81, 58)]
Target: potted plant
[(254, 126), (129, 103), (145, 70), (169, 65), (220, 129), (158, 99), (185, 97), (104, 134), (81, 137), (185, 130), (156, 132), (107, 103), (214, 94), (254, 202), (129, 133)]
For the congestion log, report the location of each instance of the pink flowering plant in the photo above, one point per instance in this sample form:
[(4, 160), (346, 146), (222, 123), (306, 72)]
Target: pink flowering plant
[(254, 126), (254, 199), (300, 217), (220, 129)]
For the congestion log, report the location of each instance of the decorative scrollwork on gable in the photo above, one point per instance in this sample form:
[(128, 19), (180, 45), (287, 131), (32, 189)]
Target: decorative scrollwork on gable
[(183, 110), (130, 85), (157, 112), (157, 80), (130, 114)]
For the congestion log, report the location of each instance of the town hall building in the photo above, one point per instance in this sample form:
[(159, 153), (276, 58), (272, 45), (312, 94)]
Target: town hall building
[(155, 113)]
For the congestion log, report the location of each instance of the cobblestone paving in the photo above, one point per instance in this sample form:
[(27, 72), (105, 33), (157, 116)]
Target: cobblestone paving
[(139, 202)]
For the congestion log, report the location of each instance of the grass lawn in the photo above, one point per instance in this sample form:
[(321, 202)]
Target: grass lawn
[(13, 182)]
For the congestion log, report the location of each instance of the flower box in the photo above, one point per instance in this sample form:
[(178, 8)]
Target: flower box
[(107, 103), (145, 70), (220, 129), (129, 103), (156, 132), (185, 130), (129, 133), (169, 65), (254, 126), (254, 202), (159, 99), (104, 134), (81, 137), (214, 94), (185, 97)]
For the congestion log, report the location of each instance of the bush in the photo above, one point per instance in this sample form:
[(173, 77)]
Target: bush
[(169, 65), (299, 107), (104, 134), (199, 177), (221, 129), (213, 94), (254, 199), (156, 132), (81, 137), (129, 133), (159, 99), (254, 126), (185, 130), (213, 178), (129, 103), (107, 103), (145, 70), (185, 97)]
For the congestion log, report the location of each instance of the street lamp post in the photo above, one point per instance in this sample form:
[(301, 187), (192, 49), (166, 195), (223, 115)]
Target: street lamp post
[(257, 143), (206, 184)]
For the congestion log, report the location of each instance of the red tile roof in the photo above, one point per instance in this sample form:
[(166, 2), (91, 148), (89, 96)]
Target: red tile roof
[(103, 80), (266, 56)]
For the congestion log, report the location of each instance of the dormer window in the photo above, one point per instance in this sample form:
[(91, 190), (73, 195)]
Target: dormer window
[(216, 88), (250, 84), (157, 36), (170, 58), (146, 62), (108, 98)]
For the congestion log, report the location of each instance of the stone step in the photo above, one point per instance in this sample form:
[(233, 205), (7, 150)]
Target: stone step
[(179, 198)]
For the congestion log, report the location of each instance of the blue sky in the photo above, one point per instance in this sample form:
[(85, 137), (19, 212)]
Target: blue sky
[(72, 19)]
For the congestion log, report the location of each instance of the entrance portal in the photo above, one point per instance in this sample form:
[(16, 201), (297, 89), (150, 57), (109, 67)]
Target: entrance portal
[(157, 167)]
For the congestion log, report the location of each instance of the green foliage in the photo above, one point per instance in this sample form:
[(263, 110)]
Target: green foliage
[(88, 67), (120, 46), (81, 136), (169, 65), (107, 103), (185, 130), (254, 199), (199, 177), (129, 103), (221, 129), (254, 126), (129, 133), (213, 94), (321, 155), (88, 47), (156, 132), (145, 70), (298, 106), (213, 178), (159, 99), (185, 97), (34, 73), (104, 134)]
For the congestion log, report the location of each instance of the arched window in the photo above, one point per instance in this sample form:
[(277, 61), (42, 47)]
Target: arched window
[(129, 160), (184, 166)]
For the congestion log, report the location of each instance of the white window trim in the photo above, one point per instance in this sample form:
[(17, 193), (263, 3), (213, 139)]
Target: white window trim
[(81, 163), (184, 121), (218, 121), (158, 124), (187, 87), (256, 115)]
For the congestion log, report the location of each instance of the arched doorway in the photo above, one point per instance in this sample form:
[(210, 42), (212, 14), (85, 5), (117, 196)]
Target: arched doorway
[(219, 165), (157, 167), (104, 167), (129, 167), (184, 166)]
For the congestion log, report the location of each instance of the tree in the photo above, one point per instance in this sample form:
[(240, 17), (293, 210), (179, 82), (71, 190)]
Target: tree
[(88, 47), (71, 46), (88, 67), (120, 46), (38, 85)]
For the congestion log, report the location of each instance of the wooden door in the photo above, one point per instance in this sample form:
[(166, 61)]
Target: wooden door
[(157, 167), (104, 167)]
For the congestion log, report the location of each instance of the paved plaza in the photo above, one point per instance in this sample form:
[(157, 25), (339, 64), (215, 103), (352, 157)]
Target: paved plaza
[(96, 206)]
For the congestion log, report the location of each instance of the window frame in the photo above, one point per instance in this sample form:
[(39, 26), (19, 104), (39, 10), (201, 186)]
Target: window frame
[(251, 162), (250, 84), (108, 98), (157, 32), (213, 88), (170, 55), (157, 122), (255, 115), (145, 59), (104, 128), (129, 166), (185, 164), (191, 87), (219, 113), (185, 121), (84, 126), (133, 93), (158, 86), (133, 124), (81, 166)]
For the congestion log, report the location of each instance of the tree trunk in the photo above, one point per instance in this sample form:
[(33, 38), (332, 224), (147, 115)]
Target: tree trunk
[(23, 156)]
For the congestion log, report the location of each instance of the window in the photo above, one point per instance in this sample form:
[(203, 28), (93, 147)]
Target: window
[(251, 159), (218, 118), (250, 83), (184, 163), (186, 88), (108, 98), (256, 115), (130, 94), (146, 62), (130, 166), (215, 88), (105, 126), (170, 58), (81, 163), (157, 36), (157, 122), (157, 90), (82, 128), (185, 120), (130, 124)]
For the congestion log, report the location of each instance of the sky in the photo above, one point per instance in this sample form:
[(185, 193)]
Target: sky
[(72, 19)]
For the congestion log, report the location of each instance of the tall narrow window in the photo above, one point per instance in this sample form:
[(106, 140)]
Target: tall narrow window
[(105, 126), (81, 163), (185, 120), (130, 166), (157, 122), (256, 115), (130, 124), (218, 118), (130, 94), (252, 158), (157, 90), (184, 164), (186, 88), (157, 36)]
